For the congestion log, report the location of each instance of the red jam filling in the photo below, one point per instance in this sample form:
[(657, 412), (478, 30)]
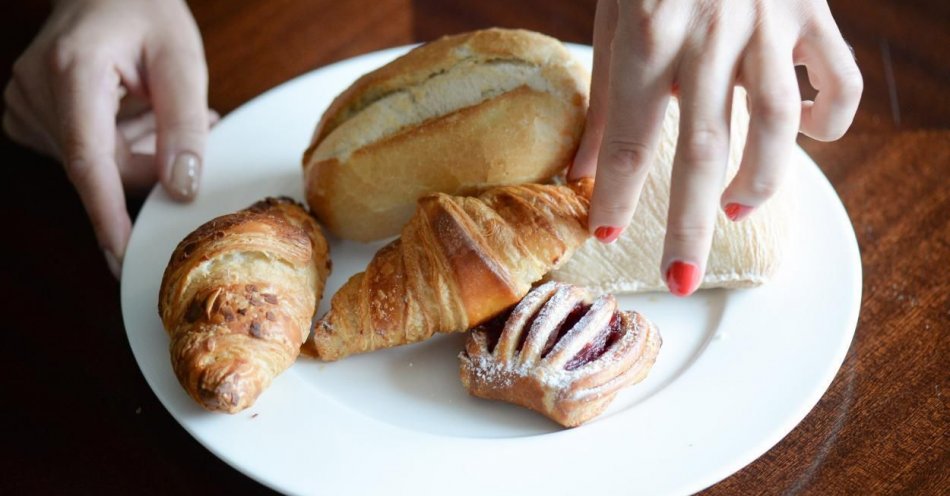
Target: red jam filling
[(596, 348), (572, 319), (589, 353), (493, 328)]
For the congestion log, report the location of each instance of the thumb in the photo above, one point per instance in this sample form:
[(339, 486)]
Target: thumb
[(178, 86)]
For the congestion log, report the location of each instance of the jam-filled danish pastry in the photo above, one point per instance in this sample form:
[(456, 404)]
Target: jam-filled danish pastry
[(559, 352)]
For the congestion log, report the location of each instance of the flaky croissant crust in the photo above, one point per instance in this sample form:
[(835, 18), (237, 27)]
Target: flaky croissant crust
[(560, 353), (237, 300), (459, 261)]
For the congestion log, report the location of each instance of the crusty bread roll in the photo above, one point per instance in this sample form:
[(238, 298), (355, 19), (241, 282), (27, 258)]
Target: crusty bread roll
[(743, 254), (462, 113)]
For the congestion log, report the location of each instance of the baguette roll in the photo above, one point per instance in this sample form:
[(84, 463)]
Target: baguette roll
[(455, 116)]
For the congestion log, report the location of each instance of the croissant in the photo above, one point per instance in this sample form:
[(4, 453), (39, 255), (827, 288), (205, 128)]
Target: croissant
[(560, 353), (459, 262), (237, 299)]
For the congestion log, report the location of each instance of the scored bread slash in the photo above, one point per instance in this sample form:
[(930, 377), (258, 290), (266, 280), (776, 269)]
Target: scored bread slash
[(457, 115)]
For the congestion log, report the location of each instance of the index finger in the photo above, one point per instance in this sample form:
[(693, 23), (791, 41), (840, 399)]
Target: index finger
[(86, 103), (639, 91)]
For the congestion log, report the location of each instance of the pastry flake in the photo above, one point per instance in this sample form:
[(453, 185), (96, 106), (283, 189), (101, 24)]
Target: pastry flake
[(559, 352)]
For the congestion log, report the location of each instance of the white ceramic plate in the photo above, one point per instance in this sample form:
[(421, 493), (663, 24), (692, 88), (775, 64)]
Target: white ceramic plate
[(737, 371)]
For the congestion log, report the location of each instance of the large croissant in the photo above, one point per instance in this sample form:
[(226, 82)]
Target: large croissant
[(238, 298), (459, 262)]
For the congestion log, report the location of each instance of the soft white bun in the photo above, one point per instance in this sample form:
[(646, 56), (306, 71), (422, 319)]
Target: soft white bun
[(456, 115), (745, 253)]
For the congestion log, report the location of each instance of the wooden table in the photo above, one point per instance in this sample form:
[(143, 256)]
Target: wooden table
[(78, 416)]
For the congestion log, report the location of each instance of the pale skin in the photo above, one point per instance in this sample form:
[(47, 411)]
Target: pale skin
[(104, 78), (645, 51), (117, 91)]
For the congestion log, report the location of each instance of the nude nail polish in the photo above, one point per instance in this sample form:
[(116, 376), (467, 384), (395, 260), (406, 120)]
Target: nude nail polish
[(186, 168), (682, 278)]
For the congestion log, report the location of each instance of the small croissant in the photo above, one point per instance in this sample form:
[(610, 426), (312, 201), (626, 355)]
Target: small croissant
[(559, 352), (459, 262), (237, 299)]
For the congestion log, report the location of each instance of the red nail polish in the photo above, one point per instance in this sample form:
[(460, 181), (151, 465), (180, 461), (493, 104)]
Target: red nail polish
[(607, 234), (737, 211), (682, 278)]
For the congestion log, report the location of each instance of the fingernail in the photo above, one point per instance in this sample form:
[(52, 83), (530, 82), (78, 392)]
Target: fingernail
[(682, 278), (115, 266), (607, 234), (736, 211), (184, 174)]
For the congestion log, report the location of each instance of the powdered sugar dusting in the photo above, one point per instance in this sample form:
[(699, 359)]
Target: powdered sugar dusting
[(550, 311)]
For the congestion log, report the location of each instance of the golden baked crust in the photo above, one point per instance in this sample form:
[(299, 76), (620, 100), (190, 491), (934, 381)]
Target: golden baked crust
[(460, 261), (439, 56), (559, 352), (237, 299), (374, 154)]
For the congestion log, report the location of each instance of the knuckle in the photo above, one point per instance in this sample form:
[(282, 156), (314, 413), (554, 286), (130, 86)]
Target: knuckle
[(777, 107), (191, 55), (849, 82), (189, 127), (642, 33), (62, 55), (614, 208), (78, 169), (625, 158), (68, 52), (687, 233), (704, 144)]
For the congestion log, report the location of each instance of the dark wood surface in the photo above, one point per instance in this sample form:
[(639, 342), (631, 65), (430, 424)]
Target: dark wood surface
[(78, 417)]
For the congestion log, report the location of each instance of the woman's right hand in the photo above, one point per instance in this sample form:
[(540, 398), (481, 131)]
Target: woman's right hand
[(645, 51), (117, 91)]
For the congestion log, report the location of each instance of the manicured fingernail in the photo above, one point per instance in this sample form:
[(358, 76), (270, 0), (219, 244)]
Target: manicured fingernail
[(186, 169), (682, 278), (115, 266), (607, 234), (736, 211)]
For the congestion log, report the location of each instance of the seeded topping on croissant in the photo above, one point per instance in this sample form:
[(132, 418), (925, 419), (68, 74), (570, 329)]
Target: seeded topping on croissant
[(559, 352), (237, 299)]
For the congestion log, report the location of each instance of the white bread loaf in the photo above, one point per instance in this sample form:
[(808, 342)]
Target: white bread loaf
[(743, 254), (456, 115)]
